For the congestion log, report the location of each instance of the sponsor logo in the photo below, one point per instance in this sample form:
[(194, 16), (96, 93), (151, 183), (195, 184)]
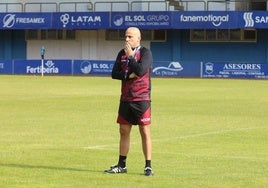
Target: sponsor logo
[(209, 68), (241, 66), (10, 20), (79, 20), (171, 70), (151, 19), (49, 68), (261, 19), (241, 69), (64, 19), (249, 22), (85, 67), (146, 119), (118, 20), (225, 70), (234, 67), (215, 20)]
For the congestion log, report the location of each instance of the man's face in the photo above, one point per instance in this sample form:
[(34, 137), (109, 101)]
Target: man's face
[(133, 37)]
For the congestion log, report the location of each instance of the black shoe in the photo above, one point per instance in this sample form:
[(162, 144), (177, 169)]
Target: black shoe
[(148, 171), (116, 170)]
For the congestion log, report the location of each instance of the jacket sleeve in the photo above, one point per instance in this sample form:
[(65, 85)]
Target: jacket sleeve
[(140, 68), (117, 72)]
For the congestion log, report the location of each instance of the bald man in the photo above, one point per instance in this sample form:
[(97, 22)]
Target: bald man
[(133, 67)]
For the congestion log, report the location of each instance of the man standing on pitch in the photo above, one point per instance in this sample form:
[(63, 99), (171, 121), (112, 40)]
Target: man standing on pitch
[(133, 68)]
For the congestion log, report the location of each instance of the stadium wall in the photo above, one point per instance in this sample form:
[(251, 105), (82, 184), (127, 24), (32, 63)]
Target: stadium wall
[(12, 44), (90, 43), (176, 48), (179, 48)]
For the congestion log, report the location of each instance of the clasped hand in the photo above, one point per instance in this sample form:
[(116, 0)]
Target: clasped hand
[(130, 52)]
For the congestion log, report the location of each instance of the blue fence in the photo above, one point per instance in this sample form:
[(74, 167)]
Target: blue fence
[(159, 69)]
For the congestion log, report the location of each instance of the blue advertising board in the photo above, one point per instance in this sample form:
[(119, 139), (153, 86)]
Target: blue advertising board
[(204, 20), (81, 20), (26, 20), (144, 20), (234, 70), (50, 67), (92, 67), (5, 66), (176, 69), (159, 68)]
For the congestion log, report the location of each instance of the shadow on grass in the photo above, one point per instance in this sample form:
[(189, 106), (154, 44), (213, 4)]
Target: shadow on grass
[(47, 167), (25, 166)]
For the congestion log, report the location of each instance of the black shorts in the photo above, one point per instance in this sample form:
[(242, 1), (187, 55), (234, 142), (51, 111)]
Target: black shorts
[(134, 113)]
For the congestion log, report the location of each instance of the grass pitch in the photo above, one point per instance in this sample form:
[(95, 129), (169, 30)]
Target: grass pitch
[(61, 132)]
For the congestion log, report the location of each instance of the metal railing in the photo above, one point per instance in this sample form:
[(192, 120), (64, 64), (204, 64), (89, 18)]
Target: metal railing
[(193, 4), (75, 6), (58, 7), (111, 6), (131, 6), (40, 7), (11, 7), (149, 6), (227, 4)]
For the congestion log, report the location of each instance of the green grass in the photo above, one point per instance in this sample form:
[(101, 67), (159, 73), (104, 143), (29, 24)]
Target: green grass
[(61, 132)]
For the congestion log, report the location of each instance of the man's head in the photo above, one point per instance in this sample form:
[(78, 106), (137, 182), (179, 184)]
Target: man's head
[(133, 36)]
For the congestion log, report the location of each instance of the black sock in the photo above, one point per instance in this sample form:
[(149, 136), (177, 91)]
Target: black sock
[(122, 161), (148, 163)]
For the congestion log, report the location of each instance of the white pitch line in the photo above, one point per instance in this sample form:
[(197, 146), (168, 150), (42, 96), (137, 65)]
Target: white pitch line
[(217, 156), (209, 133), (101, 146), (180, 137)]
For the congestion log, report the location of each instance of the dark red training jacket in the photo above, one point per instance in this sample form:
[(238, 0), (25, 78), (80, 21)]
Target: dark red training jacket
[(137, 89)]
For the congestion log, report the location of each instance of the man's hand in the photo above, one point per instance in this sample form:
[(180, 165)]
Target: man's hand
[(133, 75), (128, 50)]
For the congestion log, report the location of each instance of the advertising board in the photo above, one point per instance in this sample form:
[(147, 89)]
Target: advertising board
[(50, 67), (234, 70), (5, 66)]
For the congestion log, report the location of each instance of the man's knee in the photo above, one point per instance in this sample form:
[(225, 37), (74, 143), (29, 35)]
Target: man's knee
[(125, 129)]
